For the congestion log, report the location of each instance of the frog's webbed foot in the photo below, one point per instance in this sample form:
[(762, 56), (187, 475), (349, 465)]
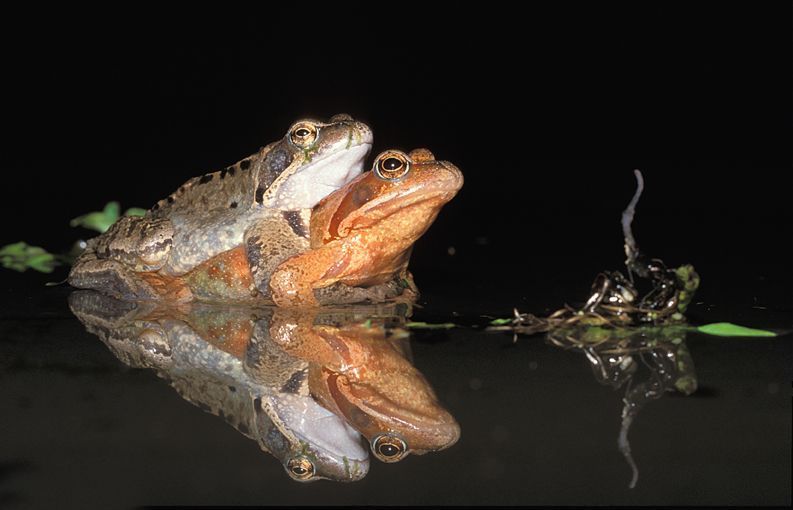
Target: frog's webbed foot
[(272, 240), (110, 277)]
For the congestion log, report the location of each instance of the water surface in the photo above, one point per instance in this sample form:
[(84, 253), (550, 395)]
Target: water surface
[(537, 423)]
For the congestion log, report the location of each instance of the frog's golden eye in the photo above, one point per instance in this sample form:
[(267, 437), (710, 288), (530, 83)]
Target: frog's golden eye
[(389, 448), (300, 468), (303, 134), (392, 165)]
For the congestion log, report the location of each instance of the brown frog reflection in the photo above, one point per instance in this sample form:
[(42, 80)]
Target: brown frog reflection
[(255, 368), (363, 373), (616, 357), (221, 360)]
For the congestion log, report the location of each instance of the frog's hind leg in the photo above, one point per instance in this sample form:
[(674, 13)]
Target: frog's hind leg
[(272, 240), (110, 277)]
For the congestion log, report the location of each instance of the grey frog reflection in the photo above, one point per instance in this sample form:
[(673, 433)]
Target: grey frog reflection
[(616, 357), (303, 384)]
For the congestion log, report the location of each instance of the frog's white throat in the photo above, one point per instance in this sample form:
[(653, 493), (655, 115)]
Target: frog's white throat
[(319, 179), (321, 429)]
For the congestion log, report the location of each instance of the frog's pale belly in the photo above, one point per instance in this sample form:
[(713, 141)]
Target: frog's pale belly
[(195, 243)]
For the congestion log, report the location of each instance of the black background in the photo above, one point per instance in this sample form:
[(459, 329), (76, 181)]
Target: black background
[(546, 110)]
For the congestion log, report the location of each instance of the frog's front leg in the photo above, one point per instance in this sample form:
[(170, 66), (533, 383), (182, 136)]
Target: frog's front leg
[(294, 281), (119, 261), (320, 276), (272, 240)]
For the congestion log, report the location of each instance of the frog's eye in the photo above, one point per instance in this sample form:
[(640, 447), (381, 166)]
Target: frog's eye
[(389, 448), (303, 134), (300, 469), (392, 165)]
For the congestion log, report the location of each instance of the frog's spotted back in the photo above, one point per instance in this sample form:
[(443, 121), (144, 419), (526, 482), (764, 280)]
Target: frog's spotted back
[(209, 215)]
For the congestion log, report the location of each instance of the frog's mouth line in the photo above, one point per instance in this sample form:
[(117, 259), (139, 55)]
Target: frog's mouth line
[(439, 191), (434, 431), (381, 209), (322, 177), (320, 428)]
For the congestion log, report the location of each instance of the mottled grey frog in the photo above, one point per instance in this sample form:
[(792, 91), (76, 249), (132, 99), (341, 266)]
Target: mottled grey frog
[(221, 235)]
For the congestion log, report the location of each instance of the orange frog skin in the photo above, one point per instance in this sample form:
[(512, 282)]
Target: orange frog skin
[(363, 373), (362, 234)]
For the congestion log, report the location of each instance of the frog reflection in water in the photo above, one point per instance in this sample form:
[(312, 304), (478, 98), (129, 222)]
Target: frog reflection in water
[(362, 234), (362, 372), (254, 368), (245, 219), (222, 360)]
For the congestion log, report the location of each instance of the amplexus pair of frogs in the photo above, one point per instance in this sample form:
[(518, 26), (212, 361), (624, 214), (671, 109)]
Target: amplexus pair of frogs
[(296, 224)]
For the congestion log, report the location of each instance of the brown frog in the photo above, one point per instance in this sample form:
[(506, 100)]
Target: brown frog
[(362, 234), (362, 372), (220, 235)]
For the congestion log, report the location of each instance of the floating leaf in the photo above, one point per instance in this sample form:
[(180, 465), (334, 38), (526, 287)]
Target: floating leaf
[(427, 325), (500, 322), (21, 257), (729, 329)]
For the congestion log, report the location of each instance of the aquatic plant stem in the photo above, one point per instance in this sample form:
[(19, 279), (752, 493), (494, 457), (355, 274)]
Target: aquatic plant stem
[(631, 249)]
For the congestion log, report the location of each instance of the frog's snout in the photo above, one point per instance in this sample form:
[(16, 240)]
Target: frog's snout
[(453, 176)]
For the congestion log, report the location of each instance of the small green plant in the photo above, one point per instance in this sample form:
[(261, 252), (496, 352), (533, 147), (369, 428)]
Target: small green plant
[(102, 220), (21, 256)]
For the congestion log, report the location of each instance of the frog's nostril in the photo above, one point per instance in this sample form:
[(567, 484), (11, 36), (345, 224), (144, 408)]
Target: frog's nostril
[(341, 117)]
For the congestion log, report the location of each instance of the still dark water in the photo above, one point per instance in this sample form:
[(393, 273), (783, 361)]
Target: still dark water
[(538, 424)]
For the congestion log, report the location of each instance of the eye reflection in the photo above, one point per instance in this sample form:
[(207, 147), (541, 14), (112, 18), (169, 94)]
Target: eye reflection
[(300, 468), (389, 448)]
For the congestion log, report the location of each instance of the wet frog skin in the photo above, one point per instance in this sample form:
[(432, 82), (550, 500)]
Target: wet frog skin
[(222, 360), (362, 234), (252, 215), (363, 373)]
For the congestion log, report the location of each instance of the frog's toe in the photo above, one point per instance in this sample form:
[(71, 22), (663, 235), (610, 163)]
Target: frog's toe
[(287, 288)]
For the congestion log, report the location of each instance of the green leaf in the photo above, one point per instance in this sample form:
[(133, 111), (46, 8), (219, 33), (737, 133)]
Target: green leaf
[(135, 211), (13, 250), (43, 262), (427, 325), (500, 322), (99, 221), (729, 329), (21, 257)]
